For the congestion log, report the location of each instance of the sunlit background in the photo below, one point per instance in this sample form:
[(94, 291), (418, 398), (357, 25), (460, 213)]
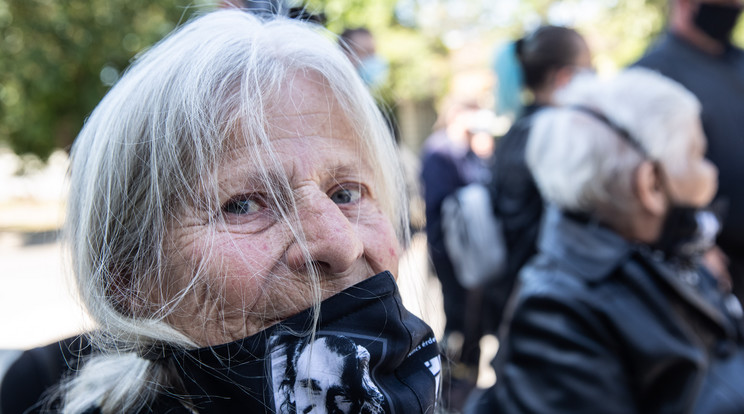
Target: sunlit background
[(59, 57)]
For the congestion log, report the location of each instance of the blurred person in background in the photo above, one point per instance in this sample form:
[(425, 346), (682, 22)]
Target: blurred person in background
[(547, 60), (449, 162), (697, 52), (615, 314), (359, 46), (237, 186)]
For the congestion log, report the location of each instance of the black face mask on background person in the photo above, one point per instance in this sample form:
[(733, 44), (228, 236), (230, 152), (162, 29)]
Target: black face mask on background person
[(369, 355), (688, 232), (717, 20)]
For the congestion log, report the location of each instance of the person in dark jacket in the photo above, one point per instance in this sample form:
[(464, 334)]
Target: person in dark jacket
[(615, 314), (697, 52), (448, 163), (548, 58)]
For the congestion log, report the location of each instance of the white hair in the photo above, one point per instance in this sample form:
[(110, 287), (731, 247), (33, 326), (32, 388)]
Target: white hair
[(581, 164), (151, 149)]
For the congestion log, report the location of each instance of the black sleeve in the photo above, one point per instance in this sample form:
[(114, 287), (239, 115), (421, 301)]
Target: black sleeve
[(559, 359), (36, 371)]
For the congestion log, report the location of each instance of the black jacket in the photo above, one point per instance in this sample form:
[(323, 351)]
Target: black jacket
[(518, 204), (516, 199), (601, 325)]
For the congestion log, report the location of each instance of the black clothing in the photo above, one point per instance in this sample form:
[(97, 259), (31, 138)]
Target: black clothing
[(602, 325), (519, 206), (446, 167), (392, 365), (718, 82), (31, 376)]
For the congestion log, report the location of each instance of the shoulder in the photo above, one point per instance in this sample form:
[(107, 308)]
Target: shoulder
[(663, 55), (550, 284), (546, 279)]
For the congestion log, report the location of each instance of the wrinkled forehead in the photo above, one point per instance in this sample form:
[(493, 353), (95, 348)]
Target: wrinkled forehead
[(303, 125), (302, 105)]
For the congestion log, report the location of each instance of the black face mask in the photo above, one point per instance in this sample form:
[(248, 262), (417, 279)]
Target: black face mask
[(687, 233), (369, 355), (717, 21)]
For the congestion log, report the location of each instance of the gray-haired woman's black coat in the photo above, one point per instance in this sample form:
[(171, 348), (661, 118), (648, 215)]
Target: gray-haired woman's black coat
[(602, 326)]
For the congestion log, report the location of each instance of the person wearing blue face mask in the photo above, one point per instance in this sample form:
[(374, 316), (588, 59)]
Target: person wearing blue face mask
[(697, 52), (359, 46)]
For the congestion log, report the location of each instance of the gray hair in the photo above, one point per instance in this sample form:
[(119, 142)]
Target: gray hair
[(152, 147), (581, 164)]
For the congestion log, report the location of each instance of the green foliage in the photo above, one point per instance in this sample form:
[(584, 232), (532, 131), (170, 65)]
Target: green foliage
[(620, 33), (58, 58), (418, 62)]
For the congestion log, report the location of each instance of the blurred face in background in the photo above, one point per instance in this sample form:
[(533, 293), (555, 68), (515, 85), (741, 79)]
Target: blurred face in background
[(695, 181), (715, 19)]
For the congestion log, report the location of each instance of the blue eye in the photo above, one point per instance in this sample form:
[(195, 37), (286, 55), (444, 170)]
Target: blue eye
[(346, 196), (241, 206)]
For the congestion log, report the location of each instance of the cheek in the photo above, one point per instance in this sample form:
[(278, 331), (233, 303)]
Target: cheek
[(699, 186), (243, 266), (234, 267), (381, 246), (710, 173)]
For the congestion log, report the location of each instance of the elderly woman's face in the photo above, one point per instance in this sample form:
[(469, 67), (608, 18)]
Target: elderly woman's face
[(696, 181), (254, 268)]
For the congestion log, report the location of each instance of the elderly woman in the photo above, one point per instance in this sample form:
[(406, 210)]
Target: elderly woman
[(235, 190), (614, 314)]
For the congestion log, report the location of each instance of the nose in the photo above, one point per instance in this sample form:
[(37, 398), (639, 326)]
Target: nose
[(332, 241)]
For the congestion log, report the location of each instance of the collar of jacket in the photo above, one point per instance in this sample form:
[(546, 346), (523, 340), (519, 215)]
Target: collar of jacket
[(586, 247), (593, 251)]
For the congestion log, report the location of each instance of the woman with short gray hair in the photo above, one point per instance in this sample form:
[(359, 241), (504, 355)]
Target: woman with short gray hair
[(616, 314), (238, 188)]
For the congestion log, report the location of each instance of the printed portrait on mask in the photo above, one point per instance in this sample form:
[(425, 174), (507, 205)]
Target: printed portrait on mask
[(329, 375)]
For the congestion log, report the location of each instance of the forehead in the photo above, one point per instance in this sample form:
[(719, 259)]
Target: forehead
[(305, 134), (304, 113), (304, 95)]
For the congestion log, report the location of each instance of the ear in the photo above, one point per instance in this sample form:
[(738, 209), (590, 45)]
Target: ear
[(649, 189)]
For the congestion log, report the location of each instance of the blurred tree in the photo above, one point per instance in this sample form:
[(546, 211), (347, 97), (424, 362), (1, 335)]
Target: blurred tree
[(418, 60), (59, 57), (417, 36)]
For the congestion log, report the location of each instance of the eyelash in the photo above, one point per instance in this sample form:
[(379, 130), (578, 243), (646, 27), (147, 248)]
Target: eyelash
[(349, 188), (235, 205)]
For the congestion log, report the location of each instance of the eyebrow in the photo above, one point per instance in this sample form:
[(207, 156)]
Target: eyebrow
[(344, 169), (279, 181)]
